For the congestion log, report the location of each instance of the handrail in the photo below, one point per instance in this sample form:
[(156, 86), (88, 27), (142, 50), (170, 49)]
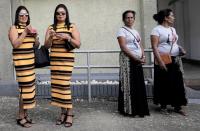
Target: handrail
[(88, 66), (105, 51)]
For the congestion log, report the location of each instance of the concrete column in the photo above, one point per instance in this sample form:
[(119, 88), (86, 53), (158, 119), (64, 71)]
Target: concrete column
[(8, 85), (6, 68), (147, 9), (186, 26)]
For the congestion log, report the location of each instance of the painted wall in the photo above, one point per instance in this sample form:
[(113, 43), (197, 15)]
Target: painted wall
[(194, 20), (97, 20), (6, 70)]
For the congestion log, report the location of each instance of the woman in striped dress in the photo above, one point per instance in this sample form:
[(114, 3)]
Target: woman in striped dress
[(23, 39), (62, 61)]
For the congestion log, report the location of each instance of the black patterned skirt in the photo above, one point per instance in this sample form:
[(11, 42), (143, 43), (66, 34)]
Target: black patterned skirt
[(169, 86), (132, 92)]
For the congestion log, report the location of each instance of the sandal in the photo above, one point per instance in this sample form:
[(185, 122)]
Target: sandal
[(29, 120), (68, 123), (62, 119), (181, 112), (23, 123), (164, 111)]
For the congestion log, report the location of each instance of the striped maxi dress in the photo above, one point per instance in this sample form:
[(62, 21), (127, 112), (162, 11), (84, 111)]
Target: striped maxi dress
[(62, 63), (23, 58)]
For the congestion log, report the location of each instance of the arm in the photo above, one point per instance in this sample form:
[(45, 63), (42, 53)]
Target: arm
[(154, 44), (37, 42), (34, 33), (182, 51), (49, 37), (75, 39), (122, 44), (143, 56), (16, 40)]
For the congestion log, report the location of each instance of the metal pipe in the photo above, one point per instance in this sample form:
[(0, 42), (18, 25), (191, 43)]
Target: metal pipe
[(88, 65), (89, 76)]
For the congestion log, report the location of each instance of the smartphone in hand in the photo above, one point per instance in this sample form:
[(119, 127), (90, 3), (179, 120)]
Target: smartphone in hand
[(33, 32)]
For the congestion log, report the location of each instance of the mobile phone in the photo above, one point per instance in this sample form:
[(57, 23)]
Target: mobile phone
[(33, 32)]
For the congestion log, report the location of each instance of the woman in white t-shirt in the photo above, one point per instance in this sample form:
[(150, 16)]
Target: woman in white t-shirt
[(132, 93), (168, 78)]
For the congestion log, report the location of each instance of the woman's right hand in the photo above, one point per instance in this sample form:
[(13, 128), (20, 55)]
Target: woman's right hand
[(141, 60), (51, 33), (163, 66)]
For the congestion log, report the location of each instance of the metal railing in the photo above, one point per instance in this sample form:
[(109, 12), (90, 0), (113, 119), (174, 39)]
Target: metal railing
[(88, 65)]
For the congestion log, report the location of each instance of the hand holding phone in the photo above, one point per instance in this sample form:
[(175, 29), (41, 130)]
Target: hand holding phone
[(52, 33), (33, 32)]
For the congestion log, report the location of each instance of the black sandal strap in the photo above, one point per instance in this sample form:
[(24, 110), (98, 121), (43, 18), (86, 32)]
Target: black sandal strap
[(70, 115), (23, 122), (60, 120), (29, 120), (67, 123)]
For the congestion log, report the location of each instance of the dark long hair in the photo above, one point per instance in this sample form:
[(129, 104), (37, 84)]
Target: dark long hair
[(67, 21), (160, 16), (17, 15)]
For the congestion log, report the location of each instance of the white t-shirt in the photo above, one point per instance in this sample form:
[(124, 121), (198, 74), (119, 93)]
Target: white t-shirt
[(166, 35), (132, 40)]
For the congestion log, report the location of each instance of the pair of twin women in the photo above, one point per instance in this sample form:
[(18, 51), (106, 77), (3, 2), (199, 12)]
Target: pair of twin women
[(24, 39), (132, 93)]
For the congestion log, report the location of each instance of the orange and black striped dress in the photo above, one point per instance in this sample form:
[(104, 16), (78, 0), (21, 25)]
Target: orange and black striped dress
[(62, 63), (23, 58)]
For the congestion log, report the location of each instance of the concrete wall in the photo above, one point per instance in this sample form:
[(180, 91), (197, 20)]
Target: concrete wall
[(6, 69), (147, 9), (7, 12), (194, 20), (97, 20)]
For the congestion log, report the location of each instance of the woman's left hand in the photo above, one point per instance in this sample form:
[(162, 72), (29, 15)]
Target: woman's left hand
[(182, 51), (37, 42)]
